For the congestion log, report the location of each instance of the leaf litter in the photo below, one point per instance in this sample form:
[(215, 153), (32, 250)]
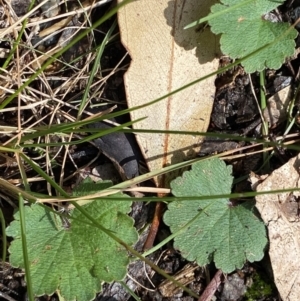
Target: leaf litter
[(168, 57), (281, 214)]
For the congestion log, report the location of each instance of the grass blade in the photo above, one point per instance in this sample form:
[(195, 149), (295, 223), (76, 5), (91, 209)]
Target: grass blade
[(25, 250), (4, 241)]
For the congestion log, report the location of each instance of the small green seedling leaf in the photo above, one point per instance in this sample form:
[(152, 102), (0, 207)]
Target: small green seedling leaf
[(246, 29), (228, 235), (74, 258)]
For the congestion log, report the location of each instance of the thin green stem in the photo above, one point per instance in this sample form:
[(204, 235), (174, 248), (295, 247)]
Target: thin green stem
[(172, 236), (4, 240), (25, 250), (263, 101), (219, 13), (265, 130), (45, 176), (96, 65), (130, 291)]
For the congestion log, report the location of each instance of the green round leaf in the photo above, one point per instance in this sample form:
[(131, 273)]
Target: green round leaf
[(76, 259), (228, 234), (244, 30)]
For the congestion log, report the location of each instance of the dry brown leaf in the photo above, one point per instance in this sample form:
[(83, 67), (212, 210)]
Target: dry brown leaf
[(280, 213), (55, 27), (277, 105), (166, 57)]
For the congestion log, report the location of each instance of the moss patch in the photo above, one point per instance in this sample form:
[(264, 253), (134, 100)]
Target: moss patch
[(262, 287)]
